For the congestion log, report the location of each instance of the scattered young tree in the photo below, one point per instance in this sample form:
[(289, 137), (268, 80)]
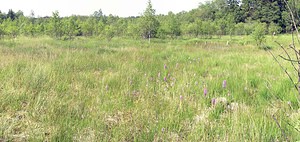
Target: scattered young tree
[(240, 29), (11, 28), (100, 27), (56, 25), (216, 17), (170, 26), (192, 29), (148, 22), (133, 29), (109, 32), (11, 15), (88, 26), (19, 14), (2, 16), (98, 14), (208, 29), (259, 34), (70, 27), (120, 27)]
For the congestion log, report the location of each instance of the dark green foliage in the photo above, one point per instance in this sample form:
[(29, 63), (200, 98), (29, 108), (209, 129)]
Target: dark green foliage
[(98, 13), (11, 14)]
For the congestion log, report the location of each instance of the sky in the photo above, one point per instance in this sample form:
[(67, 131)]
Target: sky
[(122, 8)]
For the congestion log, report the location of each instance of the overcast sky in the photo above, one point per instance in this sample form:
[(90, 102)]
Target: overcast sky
[(123, 8)]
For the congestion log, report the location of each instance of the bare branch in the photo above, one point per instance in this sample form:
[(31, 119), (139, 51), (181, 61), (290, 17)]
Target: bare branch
[(294, 48), (282, 131), (290, 60), (289, 57), (287, 73)]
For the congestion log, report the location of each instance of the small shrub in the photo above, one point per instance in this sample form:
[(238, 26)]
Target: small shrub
[(274, 29), (259, 34)]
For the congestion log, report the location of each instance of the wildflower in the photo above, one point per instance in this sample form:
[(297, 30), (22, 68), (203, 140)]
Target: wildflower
[(181, 97), (205, 92), (213, 101), (224, 84), (165, 78), (165, 66)]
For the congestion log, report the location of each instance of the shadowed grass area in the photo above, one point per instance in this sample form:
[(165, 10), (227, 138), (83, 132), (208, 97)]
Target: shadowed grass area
[(127, 90)]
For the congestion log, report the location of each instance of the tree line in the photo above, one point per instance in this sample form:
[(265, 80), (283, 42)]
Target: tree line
[(216, 17)]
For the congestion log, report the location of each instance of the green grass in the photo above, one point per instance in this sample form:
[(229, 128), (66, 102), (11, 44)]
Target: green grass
[(94, 90)]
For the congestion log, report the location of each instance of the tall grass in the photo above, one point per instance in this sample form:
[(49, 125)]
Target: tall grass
[(126, 90)]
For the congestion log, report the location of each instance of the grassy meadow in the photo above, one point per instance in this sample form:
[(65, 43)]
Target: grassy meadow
[(130, 90)]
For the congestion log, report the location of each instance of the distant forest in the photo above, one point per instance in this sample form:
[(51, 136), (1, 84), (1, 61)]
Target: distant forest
[(217, 17)]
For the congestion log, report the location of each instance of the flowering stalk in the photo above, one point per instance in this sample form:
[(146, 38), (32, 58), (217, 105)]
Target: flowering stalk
[(224, 84)]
